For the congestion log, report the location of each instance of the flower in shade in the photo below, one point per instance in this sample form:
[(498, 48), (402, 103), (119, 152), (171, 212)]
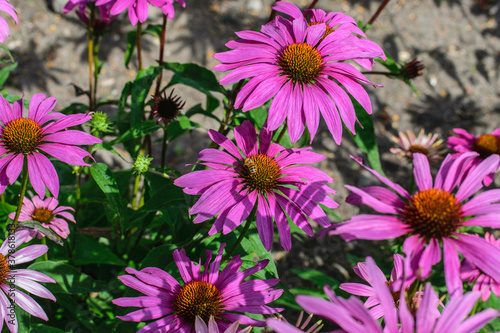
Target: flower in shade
[(26, 140), (48, 213), (353, 317), (412, 69), (205, 293), (395, 284), (165, 108), (5, 6), (137, 9), (302, 67), (201, 327), (262, 173), (485, 145), (27, 279), (102, 16), (433, 217), (428, 145), (482, 282)]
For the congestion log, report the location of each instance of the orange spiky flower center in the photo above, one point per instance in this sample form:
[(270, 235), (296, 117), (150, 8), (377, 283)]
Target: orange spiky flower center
[(22, 135), (301, 62), (43, 215), (198, 298), (261, 172), (487, 144), (433, 213), (4, 270)]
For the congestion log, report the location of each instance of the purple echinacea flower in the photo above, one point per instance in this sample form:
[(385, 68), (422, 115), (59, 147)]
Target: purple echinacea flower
[(262, 173), (432, 217), (6, 7), (25, 140), (424, 317), (302, 67), (47, 213), (482, 282), (102, 14), (138, 9), (395, 284), (206, 293), (11, 279), (485, 145)]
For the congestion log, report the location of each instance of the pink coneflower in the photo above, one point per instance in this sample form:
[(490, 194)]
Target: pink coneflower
[(22, 140), (47, 213), (432, 217), (27, 279), (482, 282), (137, 9), (205, 293), (102, 14), (428, 145), (485, 145), (5, 6), (201, 327), (165, 108), (353, 317), (302, 67), (395, 284), (334, 21), (258, 173)]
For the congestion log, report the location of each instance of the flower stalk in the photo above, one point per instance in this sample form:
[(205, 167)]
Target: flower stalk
[(24, 185)]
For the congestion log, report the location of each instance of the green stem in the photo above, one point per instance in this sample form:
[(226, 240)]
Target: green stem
[(91, 57), (238, 241), (139, 50), (164, 146), (96, 67), (162, 50), (44, 242), (24, 185), (282, 133), (136, 189)]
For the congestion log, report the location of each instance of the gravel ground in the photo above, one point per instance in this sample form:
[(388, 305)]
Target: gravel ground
[(458, 41)]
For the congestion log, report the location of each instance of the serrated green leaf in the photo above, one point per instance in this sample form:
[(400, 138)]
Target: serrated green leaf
[(90, 251), (365, 137), (194, 76), (318, 278), (140, 90), (5, 73), (69, 280), (107, 183)]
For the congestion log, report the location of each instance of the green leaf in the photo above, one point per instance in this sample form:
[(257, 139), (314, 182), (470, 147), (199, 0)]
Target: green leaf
[(42, 328), (318, 278), (365, 137), (90, 251), (194, 76), (69, 280), (131, 43), (179, 127), (159, 257), (140, 90), (5, 72), (106, 181), (138, 131), (198, 109)]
